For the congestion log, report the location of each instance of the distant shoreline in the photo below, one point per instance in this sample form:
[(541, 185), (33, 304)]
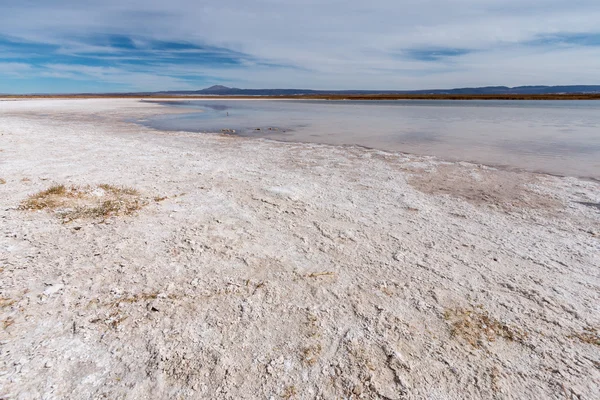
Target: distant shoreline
[(333, 97)]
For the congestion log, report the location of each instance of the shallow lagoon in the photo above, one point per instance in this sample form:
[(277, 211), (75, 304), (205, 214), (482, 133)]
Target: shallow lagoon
[(558, 137)]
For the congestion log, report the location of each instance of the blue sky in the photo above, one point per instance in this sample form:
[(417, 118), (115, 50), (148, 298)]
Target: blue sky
[(53, 46)]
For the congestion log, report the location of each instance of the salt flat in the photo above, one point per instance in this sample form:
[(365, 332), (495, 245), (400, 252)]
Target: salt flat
[(259, 269)]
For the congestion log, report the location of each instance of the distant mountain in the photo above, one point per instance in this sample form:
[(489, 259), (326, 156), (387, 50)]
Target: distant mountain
[(219, 90)]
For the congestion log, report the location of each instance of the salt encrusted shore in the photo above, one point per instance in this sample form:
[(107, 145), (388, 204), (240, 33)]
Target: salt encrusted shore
[(257, 269)]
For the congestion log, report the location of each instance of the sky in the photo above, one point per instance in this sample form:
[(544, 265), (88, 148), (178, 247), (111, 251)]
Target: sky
[(77, 46)]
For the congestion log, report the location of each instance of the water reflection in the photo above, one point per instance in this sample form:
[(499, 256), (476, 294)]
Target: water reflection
[(560, 137)]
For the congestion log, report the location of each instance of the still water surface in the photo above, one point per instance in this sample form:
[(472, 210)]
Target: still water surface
[(558, 137)]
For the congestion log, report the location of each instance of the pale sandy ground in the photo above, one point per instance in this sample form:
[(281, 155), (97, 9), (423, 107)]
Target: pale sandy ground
[(279, 270)]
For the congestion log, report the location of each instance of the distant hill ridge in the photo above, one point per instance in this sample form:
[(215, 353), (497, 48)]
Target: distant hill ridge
[(220, 90)]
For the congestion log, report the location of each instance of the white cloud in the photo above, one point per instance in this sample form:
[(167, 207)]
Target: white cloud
[(330, 44), (15, 69), (132, 80)]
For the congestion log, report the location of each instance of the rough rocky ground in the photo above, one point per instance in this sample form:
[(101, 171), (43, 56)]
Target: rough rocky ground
[(275, 270)]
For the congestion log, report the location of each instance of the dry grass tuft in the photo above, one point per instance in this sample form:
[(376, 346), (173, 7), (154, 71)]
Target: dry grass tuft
[(93, 202), (476, 326), (320, 274), (589, 335), (115, 319), (49, 198), (6, 302), (2, 181), (130, 299), (289, 392), (8, 322), (119, 190), (118, 312), (310, 354)]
